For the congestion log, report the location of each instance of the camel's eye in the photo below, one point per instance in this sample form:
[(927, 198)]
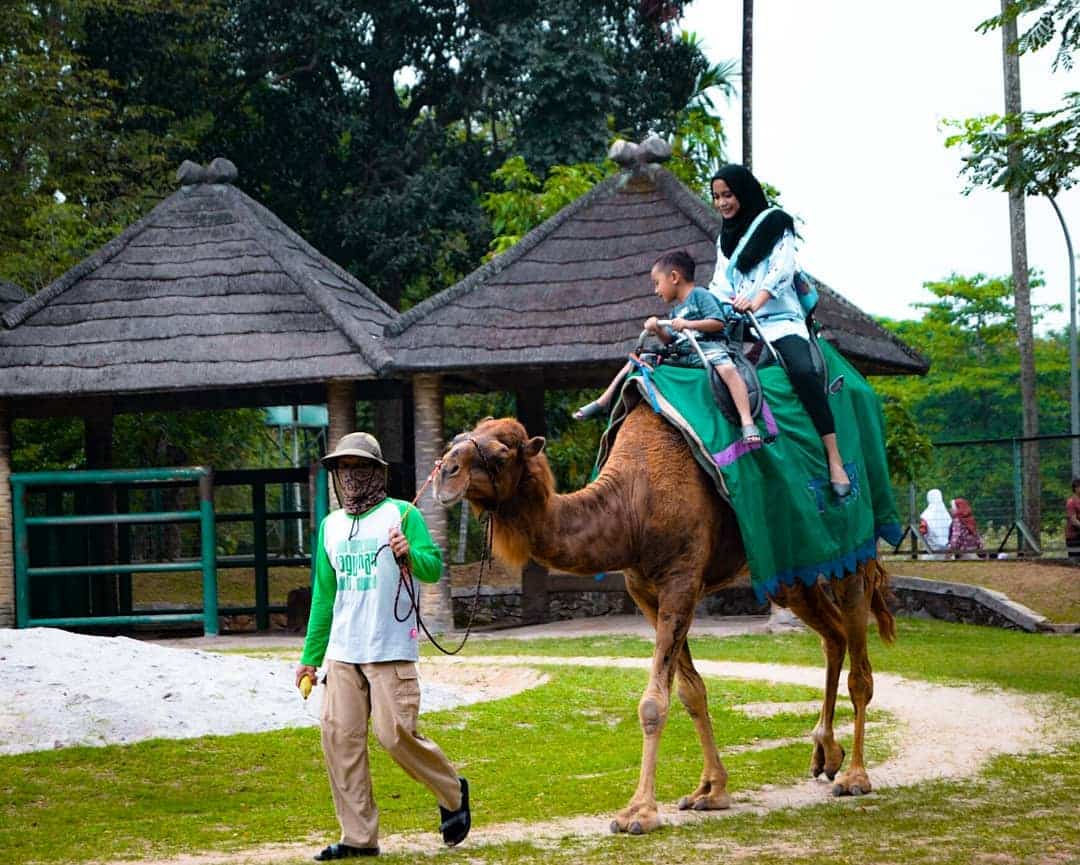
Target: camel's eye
[(498, 455)]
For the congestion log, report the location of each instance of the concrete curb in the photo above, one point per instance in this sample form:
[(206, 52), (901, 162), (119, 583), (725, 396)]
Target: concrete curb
[(995, 602)]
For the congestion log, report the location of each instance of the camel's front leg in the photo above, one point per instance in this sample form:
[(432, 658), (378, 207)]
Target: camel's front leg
[(854, 601), (711, 794), (672, 624)]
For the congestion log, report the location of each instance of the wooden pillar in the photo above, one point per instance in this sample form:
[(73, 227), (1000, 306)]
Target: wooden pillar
[(391, 430), (534, 576), (436, 605), (102, 540), (98, 444), (7, 537), (341, 408)]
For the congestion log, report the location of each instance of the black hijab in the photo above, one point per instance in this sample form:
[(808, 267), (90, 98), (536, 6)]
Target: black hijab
[(752, 202)]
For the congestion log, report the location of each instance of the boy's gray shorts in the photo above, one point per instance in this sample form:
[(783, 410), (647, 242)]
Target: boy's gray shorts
[(717, 353)]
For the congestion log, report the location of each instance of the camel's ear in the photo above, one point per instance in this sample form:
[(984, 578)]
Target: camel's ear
[(534, 445)]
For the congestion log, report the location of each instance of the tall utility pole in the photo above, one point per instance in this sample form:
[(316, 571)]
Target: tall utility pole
[(1074, 361), (1032, 486), (747, 83)]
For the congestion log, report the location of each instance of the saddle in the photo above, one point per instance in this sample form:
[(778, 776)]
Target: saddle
[(653, 352)]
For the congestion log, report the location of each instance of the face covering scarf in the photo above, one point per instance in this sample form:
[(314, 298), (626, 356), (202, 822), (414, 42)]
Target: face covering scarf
[(362, 487)]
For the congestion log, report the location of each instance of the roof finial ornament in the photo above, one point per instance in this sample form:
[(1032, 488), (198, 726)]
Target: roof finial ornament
[(628, 154), (220, 170)]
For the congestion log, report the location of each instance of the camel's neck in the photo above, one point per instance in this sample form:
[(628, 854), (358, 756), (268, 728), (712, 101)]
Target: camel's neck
[(587, 532)]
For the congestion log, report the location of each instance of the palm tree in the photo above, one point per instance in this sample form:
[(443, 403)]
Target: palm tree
[(747, 81), (1018, 243)]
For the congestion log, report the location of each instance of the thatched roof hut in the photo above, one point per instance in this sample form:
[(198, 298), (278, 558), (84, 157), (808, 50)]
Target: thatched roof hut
[(10, 294), (208, 291), (570, 297)]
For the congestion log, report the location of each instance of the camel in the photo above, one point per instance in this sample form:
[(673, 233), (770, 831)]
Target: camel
[(653, 514)]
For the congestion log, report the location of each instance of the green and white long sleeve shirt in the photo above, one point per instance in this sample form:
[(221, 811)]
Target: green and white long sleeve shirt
[(356, 581)]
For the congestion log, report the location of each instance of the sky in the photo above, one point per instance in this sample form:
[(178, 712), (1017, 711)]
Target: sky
[(848, 98)]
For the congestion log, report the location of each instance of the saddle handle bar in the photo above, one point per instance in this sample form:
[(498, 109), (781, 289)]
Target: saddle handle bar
[(692, 336)]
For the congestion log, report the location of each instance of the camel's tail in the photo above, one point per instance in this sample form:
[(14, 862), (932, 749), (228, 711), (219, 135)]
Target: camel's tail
[(880, 594)]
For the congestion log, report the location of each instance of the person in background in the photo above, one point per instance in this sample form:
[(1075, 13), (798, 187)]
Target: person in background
[(963, 533), (370, 656), (1072, 521), (934, 523)]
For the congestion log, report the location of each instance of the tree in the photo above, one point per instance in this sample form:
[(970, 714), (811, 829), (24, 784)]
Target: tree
[(747, 83), (1060, 18), (1005, 155), (969, 334)]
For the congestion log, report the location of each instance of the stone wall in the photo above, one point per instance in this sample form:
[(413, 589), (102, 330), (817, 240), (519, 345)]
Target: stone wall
[(949, 602), (960, 602)]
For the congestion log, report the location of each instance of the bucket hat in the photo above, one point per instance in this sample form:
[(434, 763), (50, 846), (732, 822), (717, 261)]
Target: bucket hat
[(357, 444)]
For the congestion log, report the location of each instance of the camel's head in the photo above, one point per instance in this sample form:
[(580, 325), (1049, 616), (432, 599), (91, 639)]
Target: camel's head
[(486, 465)]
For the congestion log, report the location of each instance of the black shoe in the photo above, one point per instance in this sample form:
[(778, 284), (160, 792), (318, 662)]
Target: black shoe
[(344, 851), (456, 824)]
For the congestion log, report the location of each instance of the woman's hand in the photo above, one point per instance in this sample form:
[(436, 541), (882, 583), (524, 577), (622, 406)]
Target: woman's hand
[(742, 304), (305, 670)]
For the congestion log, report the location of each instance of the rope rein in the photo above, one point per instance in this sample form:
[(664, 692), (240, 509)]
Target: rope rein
[(405, 576)]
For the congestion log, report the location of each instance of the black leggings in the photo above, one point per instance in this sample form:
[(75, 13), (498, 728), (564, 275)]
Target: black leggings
[(805, 382)]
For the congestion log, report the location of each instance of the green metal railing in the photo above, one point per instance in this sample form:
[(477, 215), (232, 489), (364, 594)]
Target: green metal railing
[(54, 484), (21, 483), (259, 516)]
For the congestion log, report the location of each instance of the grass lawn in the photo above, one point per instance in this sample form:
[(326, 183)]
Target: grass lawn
[(924, 649), (569, 747)]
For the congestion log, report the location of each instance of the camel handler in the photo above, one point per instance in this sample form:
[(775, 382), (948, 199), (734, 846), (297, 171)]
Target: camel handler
[(370, 657)]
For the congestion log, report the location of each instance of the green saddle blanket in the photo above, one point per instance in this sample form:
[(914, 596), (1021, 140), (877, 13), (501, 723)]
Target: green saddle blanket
[(793, 525)]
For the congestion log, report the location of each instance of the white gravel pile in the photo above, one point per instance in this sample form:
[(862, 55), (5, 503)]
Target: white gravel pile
[(61, 689)]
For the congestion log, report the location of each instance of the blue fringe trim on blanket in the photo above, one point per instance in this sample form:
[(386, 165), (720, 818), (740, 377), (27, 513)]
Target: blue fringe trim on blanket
[(834, 569)]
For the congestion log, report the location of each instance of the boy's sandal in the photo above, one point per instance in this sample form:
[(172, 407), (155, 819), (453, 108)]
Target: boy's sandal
[(456, 824), (344, 851), (750, 433), (591, 410)]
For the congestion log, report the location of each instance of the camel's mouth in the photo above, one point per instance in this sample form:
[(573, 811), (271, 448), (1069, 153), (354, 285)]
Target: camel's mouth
[(445, 494)]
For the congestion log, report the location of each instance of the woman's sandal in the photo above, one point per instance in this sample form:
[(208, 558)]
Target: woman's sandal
[(751, 435), (841, 488), (591, 410)]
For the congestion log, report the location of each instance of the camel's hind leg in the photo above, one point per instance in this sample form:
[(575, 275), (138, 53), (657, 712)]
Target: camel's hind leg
[(671, 614), (816, 609), (854, 594), (711, 794)]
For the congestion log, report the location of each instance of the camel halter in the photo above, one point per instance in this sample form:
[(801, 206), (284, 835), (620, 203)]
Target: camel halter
[(405, 570)]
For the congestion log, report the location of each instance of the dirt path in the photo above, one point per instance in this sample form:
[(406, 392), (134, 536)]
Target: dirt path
[(945, 732)]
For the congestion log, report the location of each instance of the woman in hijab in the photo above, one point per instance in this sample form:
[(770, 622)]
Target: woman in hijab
[(755, 271), (963, 533), (935, 523)]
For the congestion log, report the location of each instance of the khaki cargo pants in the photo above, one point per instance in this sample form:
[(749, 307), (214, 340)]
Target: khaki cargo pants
[(388, 693)]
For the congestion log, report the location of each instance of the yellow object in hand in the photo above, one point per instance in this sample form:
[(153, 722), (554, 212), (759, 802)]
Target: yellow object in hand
[(305, 686)]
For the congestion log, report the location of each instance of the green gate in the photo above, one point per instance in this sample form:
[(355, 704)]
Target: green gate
[(22, 482), (122, 482)]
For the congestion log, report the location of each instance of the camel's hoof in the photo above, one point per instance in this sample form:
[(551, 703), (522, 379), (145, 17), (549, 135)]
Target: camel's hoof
[(840, 790), (615, 827), (635, 828), (857, 790), (830, 775), (685, 804)]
